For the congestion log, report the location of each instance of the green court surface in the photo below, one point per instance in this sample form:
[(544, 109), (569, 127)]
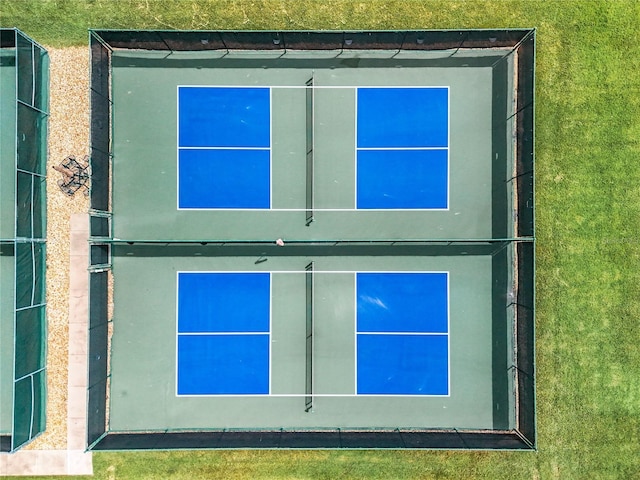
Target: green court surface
[(7, 231), (145, 152), (7, 142), (143, 367)]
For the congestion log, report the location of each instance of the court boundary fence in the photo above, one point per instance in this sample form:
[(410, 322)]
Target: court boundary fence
[(515, 120)]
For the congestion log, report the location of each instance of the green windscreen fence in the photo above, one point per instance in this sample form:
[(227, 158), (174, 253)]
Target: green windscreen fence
[(24, 112), (100, 218), (498, 62)]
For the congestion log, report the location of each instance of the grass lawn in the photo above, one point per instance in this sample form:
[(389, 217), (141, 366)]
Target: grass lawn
[(588, 219)]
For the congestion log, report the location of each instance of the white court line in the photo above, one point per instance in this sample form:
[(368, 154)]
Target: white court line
[(224, 148), (315, 271), (196, 334), (448, 147), (313, 87), (355, 152), (435, 334), (177, 150), (387, 210), (270, 334), (384, 149), (355, 332), (288, 395), (448, 337), (270, 158), (177, 329)]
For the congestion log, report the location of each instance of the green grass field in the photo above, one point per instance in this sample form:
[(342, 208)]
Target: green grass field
[(588, 219)]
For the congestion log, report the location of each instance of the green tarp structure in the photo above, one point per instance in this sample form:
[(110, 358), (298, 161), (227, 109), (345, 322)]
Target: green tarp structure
[(24, 103)]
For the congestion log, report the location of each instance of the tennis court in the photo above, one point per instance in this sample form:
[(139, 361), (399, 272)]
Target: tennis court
[(306, 249)]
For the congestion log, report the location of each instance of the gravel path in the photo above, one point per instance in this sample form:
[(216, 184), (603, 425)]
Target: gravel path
[(68, 135)]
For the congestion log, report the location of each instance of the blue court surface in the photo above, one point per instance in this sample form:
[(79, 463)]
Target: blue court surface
[(402, 148), (223, 364), (402, 179), (403, 364), (224, 147), (223, 302), (403, 117), (224, 117), (224, 179), (223, 333), (403, 302), (402, 333)]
